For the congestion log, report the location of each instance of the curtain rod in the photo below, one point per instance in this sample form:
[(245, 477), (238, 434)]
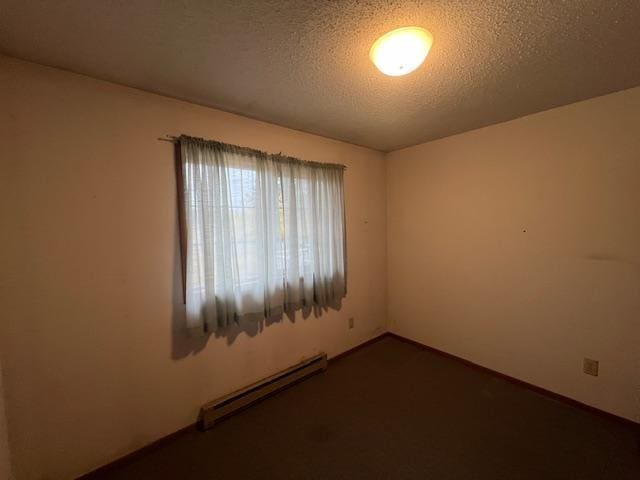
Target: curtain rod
[(176, 140), (169, 138)]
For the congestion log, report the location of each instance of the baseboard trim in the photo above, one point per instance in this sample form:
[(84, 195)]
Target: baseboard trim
[(136, 454), (155, 445), (522, 383), (351, 350)]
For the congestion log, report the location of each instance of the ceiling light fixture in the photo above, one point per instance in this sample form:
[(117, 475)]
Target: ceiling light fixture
[(401, 51)]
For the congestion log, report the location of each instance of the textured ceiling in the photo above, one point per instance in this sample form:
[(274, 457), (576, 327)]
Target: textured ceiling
[(304, 64)]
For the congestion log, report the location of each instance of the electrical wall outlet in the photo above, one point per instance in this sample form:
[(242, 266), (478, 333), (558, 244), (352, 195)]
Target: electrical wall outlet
[(591, 367), (351, 322)]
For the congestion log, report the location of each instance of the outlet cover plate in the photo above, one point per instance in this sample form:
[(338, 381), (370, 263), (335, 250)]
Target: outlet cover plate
[(591, 367)]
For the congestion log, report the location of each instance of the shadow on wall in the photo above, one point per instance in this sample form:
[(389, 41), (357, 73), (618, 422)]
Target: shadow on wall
[(185, 343)]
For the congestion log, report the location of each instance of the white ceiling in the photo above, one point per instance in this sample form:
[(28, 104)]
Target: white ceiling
[(304, 64)]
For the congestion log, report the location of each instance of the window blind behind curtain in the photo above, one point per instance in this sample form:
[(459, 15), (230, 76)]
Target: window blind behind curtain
[(265, 234)]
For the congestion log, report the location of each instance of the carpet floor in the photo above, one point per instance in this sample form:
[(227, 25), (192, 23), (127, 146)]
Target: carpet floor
[(394, 411)]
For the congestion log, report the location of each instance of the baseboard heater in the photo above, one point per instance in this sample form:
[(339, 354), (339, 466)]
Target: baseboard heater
[(214, 411)]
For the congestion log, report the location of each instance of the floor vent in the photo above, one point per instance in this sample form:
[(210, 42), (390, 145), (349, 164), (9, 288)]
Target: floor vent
[(212, 412)]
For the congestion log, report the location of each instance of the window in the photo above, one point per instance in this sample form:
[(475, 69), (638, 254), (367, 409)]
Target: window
[(263, 234)]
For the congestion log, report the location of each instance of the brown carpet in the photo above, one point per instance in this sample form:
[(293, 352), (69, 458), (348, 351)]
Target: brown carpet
[(394, 411)]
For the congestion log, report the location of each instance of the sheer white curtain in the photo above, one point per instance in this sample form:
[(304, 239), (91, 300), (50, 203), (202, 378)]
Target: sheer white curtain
[(265, 234)]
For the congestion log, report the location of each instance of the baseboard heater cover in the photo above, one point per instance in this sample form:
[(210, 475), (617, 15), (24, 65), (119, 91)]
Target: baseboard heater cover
[(214, 411)]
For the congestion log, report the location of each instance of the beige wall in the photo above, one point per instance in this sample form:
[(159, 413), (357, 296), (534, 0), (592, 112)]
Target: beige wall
[(91, 285), (517, 246)]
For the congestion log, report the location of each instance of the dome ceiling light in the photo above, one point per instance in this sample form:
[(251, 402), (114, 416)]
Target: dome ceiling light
[(401, 51)]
